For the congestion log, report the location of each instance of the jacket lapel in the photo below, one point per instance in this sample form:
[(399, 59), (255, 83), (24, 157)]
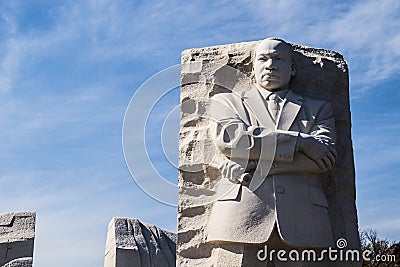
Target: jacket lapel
[(256, 105), (291, 108)]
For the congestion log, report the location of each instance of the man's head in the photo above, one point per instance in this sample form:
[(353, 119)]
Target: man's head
[(273, 64)]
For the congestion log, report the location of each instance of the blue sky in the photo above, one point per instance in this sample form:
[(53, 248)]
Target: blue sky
[(68, 70)]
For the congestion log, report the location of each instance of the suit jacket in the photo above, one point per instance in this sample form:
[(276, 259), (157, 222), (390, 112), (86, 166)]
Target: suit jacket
[(285, 189)]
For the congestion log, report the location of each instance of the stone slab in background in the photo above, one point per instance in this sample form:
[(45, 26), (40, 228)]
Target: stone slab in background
[(320, 74), (132, 243), (17, 234)]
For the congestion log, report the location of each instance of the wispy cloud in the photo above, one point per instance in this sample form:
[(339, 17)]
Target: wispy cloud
[(365, 32), (10, 57)]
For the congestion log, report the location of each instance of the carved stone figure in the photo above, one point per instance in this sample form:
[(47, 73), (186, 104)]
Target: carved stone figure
[(301, 131), (267, 162)]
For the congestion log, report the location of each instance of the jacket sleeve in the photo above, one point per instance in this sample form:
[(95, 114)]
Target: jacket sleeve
[(323, 130), (229, 130), (236, 138)]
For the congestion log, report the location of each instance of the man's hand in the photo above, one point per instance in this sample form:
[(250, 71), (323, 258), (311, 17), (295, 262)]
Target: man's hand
[(323, 154), (235, 171)]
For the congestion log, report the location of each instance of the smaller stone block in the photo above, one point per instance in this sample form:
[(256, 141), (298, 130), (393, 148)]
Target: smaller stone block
[(133, 243), (17, 234)]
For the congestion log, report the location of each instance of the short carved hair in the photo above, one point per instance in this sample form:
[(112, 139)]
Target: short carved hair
[(253, 52)]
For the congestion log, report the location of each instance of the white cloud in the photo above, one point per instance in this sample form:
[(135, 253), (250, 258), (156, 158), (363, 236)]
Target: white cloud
[(365, 32), (9, 64), (387, 227)]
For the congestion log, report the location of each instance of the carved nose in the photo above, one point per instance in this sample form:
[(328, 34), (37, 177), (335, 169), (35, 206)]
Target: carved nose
[(270, 64)]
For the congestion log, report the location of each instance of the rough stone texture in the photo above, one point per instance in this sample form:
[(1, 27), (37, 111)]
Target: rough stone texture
[(131, 243), (17, 233), (320, 74)]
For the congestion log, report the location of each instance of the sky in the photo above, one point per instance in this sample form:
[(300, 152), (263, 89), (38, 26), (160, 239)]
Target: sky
[(68, 71)]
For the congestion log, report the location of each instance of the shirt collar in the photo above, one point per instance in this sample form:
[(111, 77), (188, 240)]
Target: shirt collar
[(265, 93)]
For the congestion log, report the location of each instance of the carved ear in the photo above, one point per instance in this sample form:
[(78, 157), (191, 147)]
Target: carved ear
[(252, 75), (293, 71)]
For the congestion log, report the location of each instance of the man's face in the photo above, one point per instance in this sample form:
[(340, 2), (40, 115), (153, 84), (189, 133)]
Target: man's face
[(273, 65)]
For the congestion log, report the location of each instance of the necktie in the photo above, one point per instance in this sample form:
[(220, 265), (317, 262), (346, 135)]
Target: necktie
[(273, 106)]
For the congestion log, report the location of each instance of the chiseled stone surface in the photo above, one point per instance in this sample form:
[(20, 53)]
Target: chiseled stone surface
[(320, 74), (132, 243), (17, 233)]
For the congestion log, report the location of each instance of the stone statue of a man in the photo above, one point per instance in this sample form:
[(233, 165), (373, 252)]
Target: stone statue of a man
[(277, 143)]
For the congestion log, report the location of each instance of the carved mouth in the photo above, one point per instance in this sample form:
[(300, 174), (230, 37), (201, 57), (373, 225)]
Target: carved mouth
[(270, 77)]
